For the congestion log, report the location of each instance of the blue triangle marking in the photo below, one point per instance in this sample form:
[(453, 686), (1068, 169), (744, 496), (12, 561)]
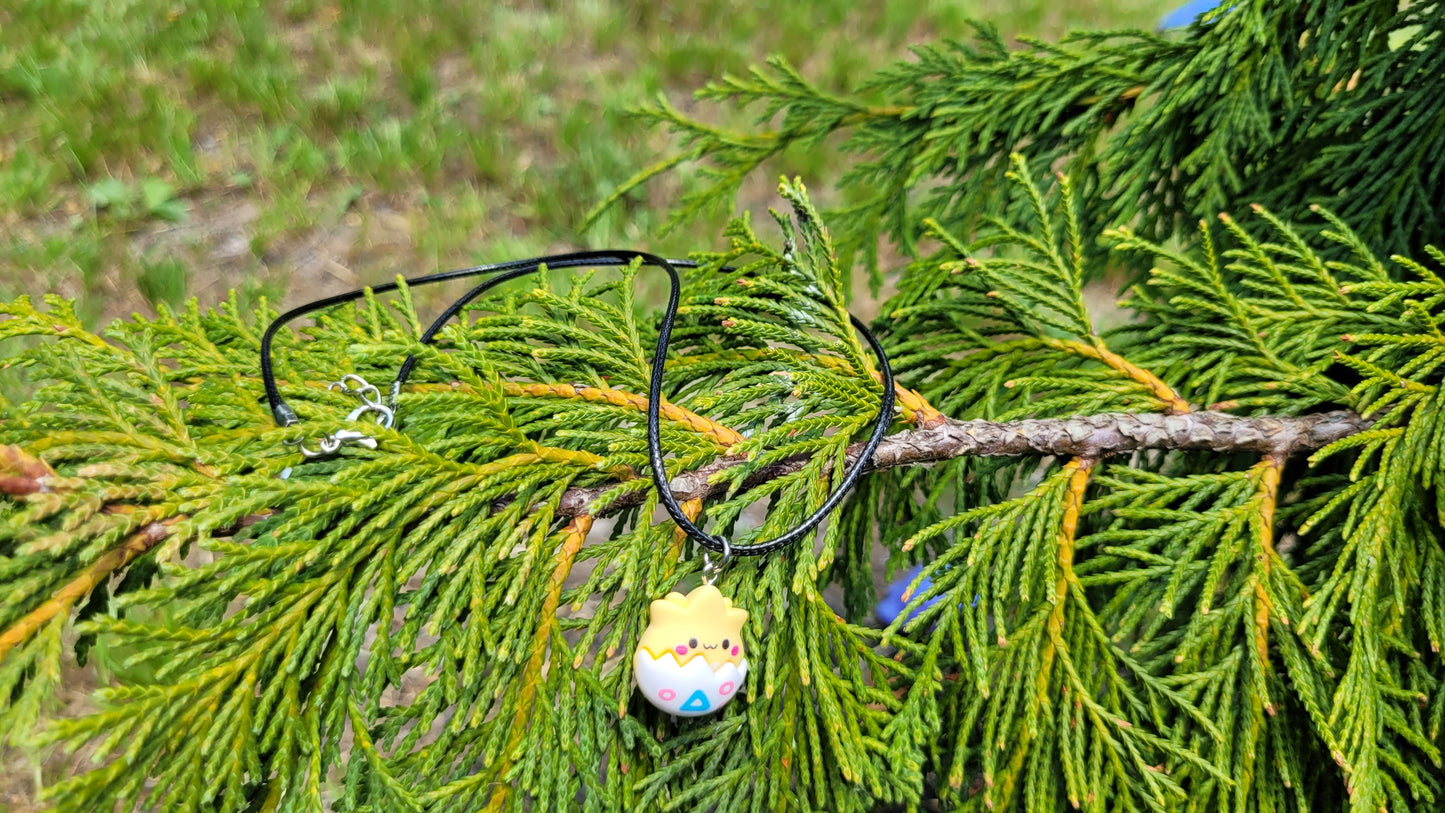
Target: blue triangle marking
[(697, 702)]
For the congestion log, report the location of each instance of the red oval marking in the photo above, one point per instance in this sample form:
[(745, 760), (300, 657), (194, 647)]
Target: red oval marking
[(668, 694), (681, 650), (725, 689), (735, 652)]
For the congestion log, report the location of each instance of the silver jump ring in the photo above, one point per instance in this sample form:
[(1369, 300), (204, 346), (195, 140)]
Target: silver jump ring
[(710, 569)]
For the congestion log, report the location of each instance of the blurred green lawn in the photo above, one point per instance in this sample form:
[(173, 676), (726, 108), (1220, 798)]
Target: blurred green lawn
[(152, 150)]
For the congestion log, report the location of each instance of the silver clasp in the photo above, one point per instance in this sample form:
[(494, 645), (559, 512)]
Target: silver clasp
[(352, 384)]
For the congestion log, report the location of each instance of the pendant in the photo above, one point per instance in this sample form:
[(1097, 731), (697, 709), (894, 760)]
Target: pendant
[(690, 660)]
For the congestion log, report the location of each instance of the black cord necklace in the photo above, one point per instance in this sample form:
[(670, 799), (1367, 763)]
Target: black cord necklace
[(690, 659)]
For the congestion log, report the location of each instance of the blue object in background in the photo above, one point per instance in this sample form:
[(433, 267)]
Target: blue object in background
[(892, 604), (1186, 14)]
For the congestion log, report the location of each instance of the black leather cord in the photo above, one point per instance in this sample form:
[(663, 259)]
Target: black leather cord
[(502, 272), (282, 412)]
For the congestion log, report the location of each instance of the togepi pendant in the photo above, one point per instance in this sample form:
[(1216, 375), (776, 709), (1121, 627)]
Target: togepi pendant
[(690, 660)]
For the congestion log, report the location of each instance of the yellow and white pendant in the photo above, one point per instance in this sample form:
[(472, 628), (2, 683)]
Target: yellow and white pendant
[(690, 660)]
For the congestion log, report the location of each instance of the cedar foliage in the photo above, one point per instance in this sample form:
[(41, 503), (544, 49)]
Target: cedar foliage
[(1328, 103), (1166, 631)]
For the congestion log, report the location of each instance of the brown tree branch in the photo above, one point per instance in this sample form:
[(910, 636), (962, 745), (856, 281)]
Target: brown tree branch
[(22, 473), (1090, 437)]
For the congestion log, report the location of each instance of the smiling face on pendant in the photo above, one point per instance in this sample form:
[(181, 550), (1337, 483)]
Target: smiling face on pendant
[(691, 660)]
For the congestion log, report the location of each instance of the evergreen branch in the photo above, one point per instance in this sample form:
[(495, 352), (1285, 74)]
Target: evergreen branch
[(1138, 119), (1174, 403), (573, 537), (1146, 649), (723, 436), (78, 588), (1269, 473), (911, 405), (1091, 436), (1079, 470)]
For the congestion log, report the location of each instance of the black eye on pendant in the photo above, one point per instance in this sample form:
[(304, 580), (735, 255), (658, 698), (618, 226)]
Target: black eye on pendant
[(692, 643), (725, 643)]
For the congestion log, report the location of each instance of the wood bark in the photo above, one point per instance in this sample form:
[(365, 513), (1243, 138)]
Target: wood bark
[(1090, 437)]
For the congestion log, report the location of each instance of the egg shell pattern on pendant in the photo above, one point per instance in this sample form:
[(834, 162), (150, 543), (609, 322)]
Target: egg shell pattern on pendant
[(689, 690)]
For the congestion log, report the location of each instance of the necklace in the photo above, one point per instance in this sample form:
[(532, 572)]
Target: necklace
[(691, 659)]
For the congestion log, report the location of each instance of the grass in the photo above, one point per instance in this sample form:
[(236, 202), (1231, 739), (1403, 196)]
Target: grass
[(151, 150)]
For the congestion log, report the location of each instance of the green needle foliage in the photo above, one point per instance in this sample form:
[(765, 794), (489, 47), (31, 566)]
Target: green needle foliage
[(1325, 102), (446, 622)]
